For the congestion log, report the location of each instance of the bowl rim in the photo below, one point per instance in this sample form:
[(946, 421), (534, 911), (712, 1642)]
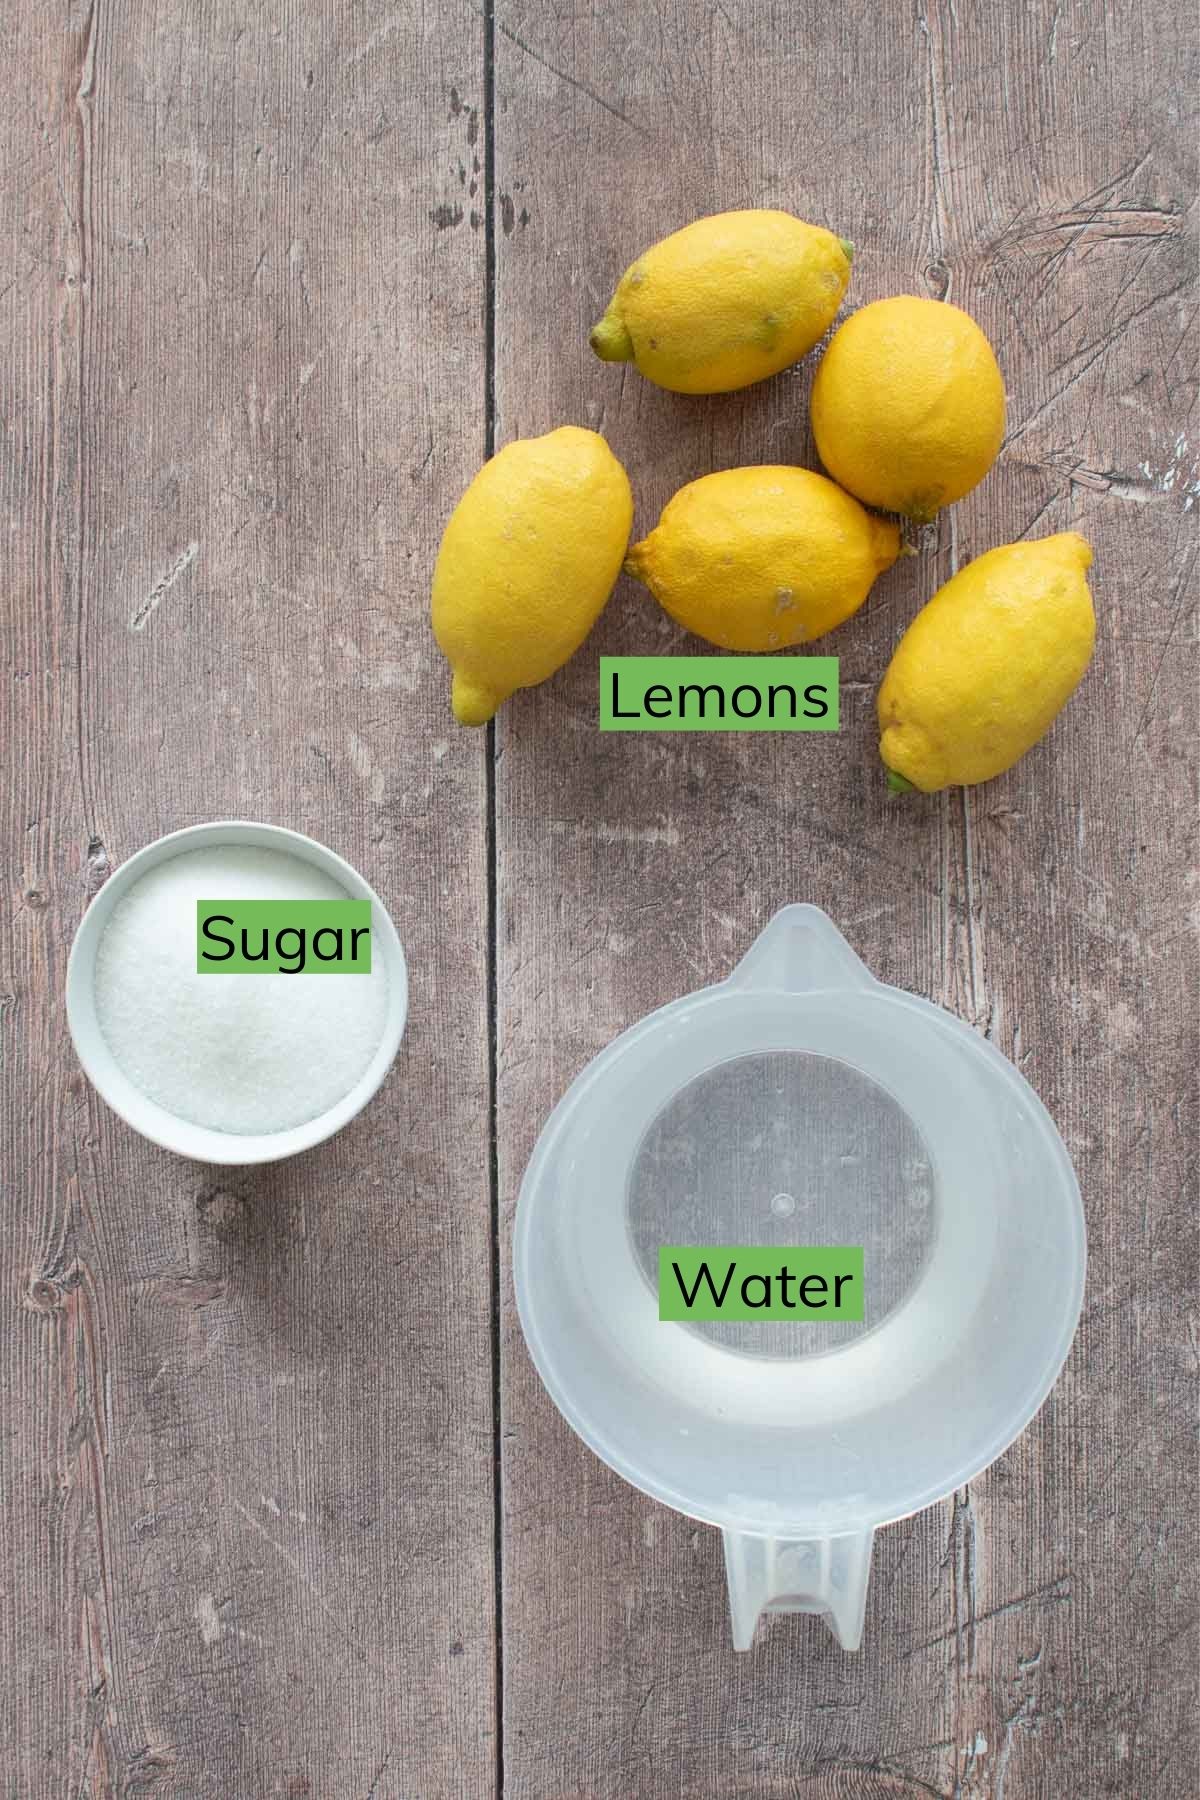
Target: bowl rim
[(180, 1136)]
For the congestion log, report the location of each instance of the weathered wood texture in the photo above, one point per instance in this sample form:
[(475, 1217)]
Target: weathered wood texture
[(1033, 164), (246, 1423), (245, 1417)]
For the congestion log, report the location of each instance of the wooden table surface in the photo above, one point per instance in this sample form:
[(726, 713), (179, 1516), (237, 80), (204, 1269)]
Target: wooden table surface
[(284, 1509)]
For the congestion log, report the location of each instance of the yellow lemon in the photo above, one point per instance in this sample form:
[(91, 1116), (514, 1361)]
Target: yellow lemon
[(987, 665), (908, 405), (726, 301), (527, 561), (758, 559)]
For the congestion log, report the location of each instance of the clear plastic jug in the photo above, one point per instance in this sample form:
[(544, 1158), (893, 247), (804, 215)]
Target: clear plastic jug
[(801, 1102)]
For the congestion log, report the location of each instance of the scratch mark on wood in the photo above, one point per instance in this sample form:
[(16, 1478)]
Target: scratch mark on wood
[(305, 1579), (601, 833), (206, 1616), (637, 1720), (1053, 1591), (1052, 45), (571, 80), (187, 1291), (964, 1554), (378, 1777), (163, 586), (1148, 485), (1023, 1717), (938, 212), (1103, 225), (382, 32), (1183, 588)]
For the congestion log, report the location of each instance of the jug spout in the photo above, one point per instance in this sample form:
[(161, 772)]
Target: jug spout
[(823, 1575), (800, 951)]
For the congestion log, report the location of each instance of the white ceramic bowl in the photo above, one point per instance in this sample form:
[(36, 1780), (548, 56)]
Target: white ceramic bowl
[(145, 1115)]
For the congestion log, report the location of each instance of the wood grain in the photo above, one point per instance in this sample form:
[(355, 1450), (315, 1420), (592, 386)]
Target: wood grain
[(245, 1415), (1032, 1636)]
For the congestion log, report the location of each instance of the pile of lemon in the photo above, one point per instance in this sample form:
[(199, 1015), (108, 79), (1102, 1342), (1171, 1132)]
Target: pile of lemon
[(907, 415)]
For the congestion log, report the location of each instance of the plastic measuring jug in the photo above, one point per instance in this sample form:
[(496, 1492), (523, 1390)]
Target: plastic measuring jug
[(801, 1102)]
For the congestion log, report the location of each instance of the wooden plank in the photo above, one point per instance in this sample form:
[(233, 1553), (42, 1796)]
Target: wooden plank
[(245, 1415), (1031, 1635)]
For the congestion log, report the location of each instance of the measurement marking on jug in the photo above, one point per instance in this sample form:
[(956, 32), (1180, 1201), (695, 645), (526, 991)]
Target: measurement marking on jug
[(737, 1281)]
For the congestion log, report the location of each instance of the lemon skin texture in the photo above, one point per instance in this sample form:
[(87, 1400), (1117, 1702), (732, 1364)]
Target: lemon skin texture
[(759, 559), (986, 667), (908, 406), (727, 301), (527, 560)]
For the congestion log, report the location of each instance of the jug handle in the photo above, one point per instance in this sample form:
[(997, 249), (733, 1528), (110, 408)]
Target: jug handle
[(823, 1575), (800, 951)]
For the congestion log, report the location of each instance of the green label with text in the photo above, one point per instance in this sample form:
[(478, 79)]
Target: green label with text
[(735, 1281), (283, 937), (718, 693)]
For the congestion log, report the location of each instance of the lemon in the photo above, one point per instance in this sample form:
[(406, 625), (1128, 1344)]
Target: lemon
[(757, 559), (527, 561), (726, 301), (988, 664), (908, 405)]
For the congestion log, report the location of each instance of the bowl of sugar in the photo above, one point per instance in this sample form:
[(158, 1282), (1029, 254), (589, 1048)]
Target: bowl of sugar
[(229, 1068)]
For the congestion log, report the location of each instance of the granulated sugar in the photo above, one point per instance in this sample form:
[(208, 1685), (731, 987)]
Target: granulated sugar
[(236, 1053)]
